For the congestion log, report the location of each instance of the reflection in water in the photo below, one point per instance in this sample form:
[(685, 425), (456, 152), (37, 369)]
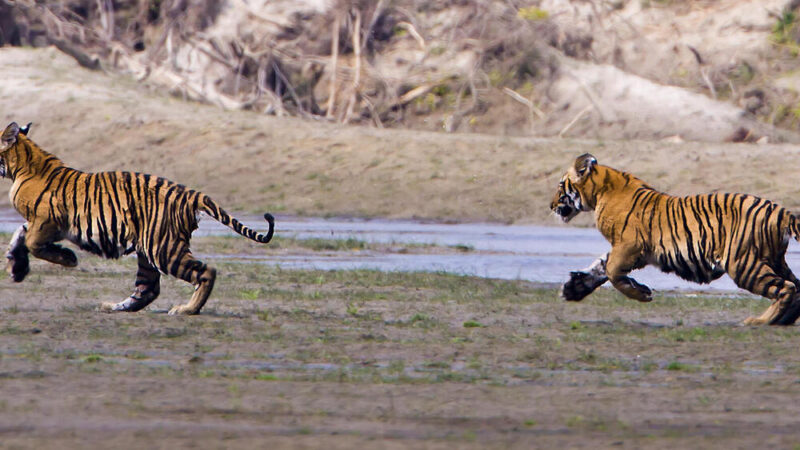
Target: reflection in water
[(534, 253)]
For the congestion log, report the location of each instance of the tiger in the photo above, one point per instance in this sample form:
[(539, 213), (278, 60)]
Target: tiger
[(698, 237), (109, 214)]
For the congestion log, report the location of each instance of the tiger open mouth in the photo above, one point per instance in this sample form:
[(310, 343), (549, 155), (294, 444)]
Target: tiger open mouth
[(565, 212)]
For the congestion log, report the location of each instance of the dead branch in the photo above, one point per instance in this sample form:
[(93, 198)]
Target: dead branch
[(106, 10), (574, 121), (373, 112), (375, 16), (414, 33), (289, 86), (413, 94), (704, 74), (333, 65), (516, 96), (357, 70)]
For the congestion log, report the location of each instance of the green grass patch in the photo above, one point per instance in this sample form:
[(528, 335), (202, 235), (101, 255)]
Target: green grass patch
[(677, 366), (532, 13)]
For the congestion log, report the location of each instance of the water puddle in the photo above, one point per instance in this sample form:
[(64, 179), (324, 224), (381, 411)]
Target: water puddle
[(533, 253)]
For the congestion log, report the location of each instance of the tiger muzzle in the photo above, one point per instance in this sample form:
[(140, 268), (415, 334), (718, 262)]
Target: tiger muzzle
[(564, 210)]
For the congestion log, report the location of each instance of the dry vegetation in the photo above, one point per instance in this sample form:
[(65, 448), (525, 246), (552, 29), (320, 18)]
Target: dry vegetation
[(306, 59)]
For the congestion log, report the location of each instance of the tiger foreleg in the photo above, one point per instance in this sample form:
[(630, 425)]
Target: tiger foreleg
[(18, 264), (619, 265), (55, 254), (584, 282), (40, 241)]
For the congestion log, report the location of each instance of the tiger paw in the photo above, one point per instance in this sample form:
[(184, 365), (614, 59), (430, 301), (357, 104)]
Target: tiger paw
[(754, 321), (18, 265), (181, 310), (581, 284), (113, 307), (68, 258), (108, 307), (646, 294)]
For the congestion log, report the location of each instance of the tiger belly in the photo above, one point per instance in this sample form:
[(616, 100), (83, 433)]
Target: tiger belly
[(692, 267), (102, 240)]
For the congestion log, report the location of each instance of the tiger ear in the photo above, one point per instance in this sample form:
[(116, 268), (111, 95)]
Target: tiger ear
[(584, 164), (26, 129), (9, 137)]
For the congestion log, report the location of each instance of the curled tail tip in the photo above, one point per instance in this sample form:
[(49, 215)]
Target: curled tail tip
[(271, 220)]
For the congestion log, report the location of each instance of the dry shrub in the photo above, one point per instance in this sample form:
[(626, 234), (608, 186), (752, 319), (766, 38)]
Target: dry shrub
[(370, 61)]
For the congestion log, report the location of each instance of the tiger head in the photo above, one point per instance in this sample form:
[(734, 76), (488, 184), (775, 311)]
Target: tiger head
[(571, 196), (8, 142)]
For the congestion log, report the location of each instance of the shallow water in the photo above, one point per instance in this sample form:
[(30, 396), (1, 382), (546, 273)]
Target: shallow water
[(534, 253)]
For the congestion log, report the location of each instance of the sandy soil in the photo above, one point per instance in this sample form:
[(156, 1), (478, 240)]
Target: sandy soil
[(344, 359), (252, 163)]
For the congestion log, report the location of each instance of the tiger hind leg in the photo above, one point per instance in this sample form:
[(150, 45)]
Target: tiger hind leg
[(792, 312), (146, 290), (18, 264), (763, 280), (198, 274)]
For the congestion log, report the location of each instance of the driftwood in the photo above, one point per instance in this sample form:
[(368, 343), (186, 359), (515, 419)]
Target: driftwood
[(84, 59)]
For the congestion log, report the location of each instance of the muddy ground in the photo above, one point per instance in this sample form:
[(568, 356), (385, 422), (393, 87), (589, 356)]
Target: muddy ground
[(308, 359)]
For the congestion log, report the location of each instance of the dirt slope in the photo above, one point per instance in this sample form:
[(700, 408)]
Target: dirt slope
[(250, 162)]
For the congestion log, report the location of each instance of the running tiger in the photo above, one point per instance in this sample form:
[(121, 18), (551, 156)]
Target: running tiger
[(109, 214), (699, 237)]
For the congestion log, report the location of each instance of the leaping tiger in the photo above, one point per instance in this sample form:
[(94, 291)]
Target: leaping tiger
[(699, 237), (109, 214)]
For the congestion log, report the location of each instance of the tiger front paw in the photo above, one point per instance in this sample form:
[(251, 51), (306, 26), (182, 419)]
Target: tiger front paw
[(68, 258), (18, 265), (645, 293), (581, 284)]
